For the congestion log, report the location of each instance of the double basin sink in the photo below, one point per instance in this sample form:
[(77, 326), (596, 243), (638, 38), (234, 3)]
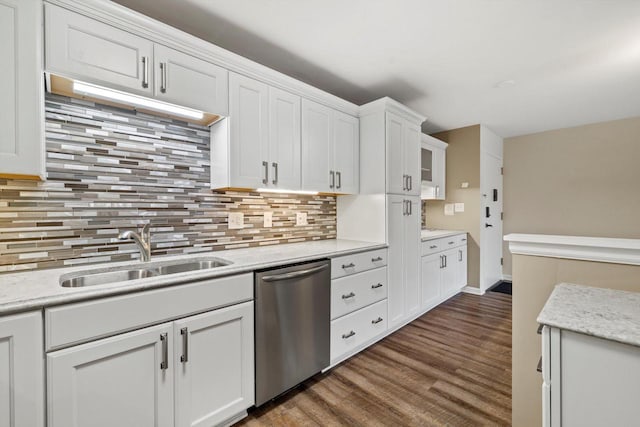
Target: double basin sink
[(141, 271)]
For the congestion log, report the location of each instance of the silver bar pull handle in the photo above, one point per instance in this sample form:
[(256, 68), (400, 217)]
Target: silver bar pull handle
[(445, 261), (376, 286), (163, 77), (433, 246), (339, 177), (378, 320), (350, 265), (145, 72), (266, 172), (164, 339), (185, 345), (332, 183), (409, 182), (437, 190), (404, 182), (275, 172), (349, 295), (349, 335), (459, 255), (410, 207), (376, 259), (451, 243), (441, 262), (404, 208)]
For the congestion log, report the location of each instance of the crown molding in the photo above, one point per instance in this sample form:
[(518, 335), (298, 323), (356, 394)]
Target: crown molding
[(434, 142), (391, 105), (599, 249)]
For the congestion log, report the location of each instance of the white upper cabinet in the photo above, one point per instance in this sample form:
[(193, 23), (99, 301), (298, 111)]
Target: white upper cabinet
[(432, 168), (85, 49), (284, 139), (403, 151), (411, 158), (22, 102), (21, 370), (330, 149), (186, 80)]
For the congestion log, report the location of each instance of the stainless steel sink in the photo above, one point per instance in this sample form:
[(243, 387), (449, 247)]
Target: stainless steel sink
[(102, 277)]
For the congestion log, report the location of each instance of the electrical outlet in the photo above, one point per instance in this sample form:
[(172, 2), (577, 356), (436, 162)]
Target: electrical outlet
[(301, 218), (268, 219), (459, 207), (236, 220)]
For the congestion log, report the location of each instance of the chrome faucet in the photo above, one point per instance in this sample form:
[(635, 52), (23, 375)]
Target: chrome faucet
[(143, 240)]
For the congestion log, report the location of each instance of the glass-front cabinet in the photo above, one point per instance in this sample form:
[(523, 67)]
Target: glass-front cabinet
[(433, 168)]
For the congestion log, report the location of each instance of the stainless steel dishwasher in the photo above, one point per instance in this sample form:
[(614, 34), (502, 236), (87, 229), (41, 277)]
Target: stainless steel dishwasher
[(292, 323)]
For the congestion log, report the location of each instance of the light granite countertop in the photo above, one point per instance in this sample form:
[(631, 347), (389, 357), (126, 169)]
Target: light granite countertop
[(41, 288), (436, 234), (603, 313)]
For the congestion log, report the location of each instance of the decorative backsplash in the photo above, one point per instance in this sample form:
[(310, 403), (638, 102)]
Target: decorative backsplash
[(111, 169)]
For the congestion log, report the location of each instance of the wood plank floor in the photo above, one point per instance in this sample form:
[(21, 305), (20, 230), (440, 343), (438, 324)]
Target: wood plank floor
[(450, 367)]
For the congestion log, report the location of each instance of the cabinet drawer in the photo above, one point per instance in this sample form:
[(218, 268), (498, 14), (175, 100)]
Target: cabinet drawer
[(356, 263), (358, 290), (432, 246), (85, 321), (350, 332)]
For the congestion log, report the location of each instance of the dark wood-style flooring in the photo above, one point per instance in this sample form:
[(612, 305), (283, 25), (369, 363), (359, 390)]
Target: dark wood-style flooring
[(450, 367)]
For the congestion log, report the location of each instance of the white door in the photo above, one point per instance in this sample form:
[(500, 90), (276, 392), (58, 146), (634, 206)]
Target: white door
[(411, 157), (450, 272), (249, 115), (317, 147), (396, 176), (21, 89), (411, 256), (346, 143), (397, 213), (88, 50), (186, 80), (430, 292), (284, 139), (214, 365), (461, 275), (124, 381), (21, 370), (491, 226)]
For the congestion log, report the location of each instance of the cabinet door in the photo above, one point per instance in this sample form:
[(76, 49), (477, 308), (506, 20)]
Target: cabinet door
[(317, 147), (117, 381), (186, 80), (21, 122), (249, 110), (396, 176), (461, 267), (214, 366), (395, 229), (411, 256), (284, 139), (411, 157), (439, 171), (346, 145), (450, 273), (21, 370), (88, 50), (430, 292)]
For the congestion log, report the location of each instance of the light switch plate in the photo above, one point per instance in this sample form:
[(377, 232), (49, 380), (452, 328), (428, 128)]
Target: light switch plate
[(268, 219), (301, 218), (448, 209), (459, 207), (236, 220)]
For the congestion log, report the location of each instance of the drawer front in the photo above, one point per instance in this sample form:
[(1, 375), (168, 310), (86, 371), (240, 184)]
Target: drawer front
[(353, 292), (86, 321), (356, 263), (443, 243), (462, 239), (353, 330)]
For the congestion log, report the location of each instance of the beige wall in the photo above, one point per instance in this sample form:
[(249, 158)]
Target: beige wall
[(533, 281), (577, 181), (463, 165)]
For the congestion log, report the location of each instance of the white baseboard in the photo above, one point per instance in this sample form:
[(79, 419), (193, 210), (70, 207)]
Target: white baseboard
[(507, 277), (472, 290)]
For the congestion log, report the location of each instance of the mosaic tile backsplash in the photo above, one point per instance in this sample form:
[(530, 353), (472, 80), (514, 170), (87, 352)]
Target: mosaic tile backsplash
[(111, 170)]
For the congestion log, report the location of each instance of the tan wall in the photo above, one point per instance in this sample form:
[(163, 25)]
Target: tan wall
[(533, 281), (463, 165), (578, 181)]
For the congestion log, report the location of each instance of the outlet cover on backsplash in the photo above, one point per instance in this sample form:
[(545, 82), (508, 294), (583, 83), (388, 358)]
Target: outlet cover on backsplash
[(301, 218), (268, 220), (111, 169), (236, 220)]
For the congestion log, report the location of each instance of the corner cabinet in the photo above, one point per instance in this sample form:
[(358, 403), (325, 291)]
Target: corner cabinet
[(433, 160), (22, 152), (21, 370), (330, 150)]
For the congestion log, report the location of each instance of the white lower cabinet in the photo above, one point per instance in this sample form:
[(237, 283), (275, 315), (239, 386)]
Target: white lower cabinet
[(431, 280), (353, 331), (444, 269), (198, 369), (21, 371)]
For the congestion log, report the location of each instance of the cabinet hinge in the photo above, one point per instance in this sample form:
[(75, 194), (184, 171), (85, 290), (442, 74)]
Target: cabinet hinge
[(501, 261)]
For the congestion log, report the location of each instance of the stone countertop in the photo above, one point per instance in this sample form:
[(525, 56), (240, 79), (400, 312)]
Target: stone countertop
[(603, 313), (436, 234), (41, 288)]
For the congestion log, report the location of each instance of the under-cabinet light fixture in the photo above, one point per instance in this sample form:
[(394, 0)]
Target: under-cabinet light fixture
[(277, 190), (135, 100)]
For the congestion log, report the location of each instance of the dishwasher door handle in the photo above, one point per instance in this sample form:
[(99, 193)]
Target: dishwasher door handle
[(293, 274)]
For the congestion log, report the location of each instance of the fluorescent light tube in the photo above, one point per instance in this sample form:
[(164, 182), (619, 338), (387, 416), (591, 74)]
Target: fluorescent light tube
[(277, 190), (138, 101)]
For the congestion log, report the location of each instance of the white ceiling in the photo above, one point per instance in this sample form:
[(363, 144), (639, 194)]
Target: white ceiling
[(571, 61)]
